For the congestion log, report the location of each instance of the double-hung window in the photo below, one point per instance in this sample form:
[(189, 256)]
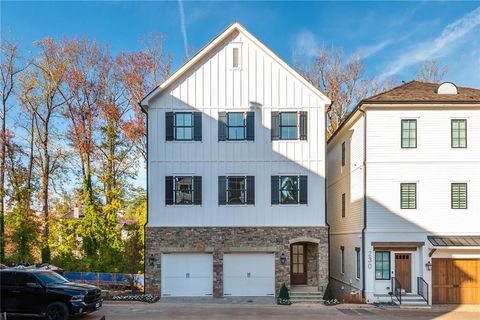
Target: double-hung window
[(183, 126), (183, 190), (289, 125), (409, 133), (459, 196), (382, 265), (408, 195), (236, 190), (236, 126), (289, 189), (459, 133)]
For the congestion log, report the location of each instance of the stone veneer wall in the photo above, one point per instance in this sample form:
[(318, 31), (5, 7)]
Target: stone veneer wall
[(312, 263), (233, 239)]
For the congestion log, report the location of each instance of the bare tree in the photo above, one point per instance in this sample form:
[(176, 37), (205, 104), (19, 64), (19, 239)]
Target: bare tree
[(9, 71), (431, 71), (343, 81)]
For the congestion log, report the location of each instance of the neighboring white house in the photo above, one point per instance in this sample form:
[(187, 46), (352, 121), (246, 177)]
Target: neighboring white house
[(236, 175), (403, 194)]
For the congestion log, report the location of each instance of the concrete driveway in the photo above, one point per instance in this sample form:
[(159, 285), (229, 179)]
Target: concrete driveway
[(162, 310)]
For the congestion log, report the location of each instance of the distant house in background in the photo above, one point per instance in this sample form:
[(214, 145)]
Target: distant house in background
[(236, 175), (403, 194)]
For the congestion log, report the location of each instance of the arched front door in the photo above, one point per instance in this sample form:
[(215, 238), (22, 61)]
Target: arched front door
[(298, 263)]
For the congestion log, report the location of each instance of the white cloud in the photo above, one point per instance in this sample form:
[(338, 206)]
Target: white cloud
[(306, 45), (367, 51), (435, 48), (183, 28)]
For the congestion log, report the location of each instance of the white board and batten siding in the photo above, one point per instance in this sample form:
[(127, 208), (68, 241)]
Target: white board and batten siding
[(260, 84)]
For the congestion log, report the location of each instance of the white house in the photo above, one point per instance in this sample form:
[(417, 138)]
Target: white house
[(403, 194), (236, 175)]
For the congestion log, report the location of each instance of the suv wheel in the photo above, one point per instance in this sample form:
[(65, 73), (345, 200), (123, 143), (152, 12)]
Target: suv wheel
[(57, 311)]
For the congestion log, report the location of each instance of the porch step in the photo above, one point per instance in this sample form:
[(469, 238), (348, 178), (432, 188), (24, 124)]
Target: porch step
[(305, 294)]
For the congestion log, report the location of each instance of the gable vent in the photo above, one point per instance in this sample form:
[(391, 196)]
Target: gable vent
[(447, 88)]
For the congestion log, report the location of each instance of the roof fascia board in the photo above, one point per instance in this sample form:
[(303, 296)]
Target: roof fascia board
[(351, 119)]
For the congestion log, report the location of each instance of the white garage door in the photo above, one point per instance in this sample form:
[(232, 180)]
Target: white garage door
[(249, 274), (187, 274)]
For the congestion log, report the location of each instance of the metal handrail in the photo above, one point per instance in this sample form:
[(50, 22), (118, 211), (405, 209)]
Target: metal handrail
[(397, 289), (422, 288)]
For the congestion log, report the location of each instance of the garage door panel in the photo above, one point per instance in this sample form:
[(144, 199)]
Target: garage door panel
[(249, 274), (185, 275), (456, 281)]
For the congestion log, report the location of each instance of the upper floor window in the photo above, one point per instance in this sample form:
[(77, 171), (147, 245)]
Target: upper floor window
[(236, 126), (343, 154), (183, 126), (235, 58), (459, 133), (409, 133), (408, 195), (236, 190), (382, 265), (343, 205), (289, 125), (289, 190), (459, 196), (183, 190)]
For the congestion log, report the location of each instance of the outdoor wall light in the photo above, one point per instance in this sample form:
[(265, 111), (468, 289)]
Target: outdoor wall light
[(283, 258), (151, 260), (428, 265)]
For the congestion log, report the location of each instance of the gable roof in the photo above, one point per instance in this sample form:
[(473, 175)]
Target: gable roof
[(214, 43), (424, 92)]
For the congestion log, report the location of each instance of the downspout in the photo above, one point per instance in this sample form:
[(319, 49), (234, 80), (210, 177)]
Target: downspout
[(364, 199), (146, 189)]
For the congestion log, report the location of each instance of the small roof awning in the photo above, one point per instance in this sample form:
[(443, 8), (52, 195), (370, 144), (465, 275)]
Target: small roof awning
[(455, 241), (399, 246)]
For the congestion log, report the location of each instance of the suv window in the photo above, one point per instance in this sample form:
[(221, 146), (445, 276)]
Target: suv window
[(22, 278), (7, 278)]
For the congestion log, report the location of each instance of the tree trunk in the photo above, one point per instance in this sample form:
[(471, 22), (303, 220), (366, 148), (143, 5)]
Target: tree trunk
[(2, 181)]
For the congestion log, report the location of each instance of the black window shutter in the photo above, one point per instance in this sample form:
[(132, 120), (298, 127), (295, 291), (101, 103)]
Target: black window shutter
[(250, 126), (275, 125), (168, 190), (197, 122), (169, 126), (303, 189), (303, 125), (197, 190), (250, 190), (222, 126), (275, 189), (222, 190)]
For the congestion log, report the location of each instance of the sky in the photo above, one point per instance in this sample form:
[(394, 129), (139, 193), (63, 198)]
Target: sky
[(393, 37)]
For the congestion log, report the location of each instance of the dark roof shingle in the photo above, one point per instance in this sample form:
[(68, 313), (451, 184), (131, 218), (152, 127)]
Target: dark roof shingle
[(421, 92)]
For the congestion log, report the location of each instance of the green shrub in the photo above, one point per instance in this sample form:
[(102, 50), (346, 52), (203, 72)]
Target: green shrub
[(328, 295), (283, 295)]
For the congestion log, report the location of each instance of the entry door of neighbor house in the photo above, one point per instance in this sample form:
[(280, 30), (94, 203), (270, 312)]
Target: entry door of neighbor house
[(298, 264), (403, 270)]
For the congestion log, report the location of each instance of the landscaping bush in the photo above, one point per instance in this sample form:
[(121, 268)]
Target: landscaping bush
[(137, 297), (329, 297), (284, 296)]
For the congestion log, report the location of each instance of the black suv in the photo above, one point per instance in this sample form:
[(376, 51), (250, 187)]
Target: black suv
[(44, 292)]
